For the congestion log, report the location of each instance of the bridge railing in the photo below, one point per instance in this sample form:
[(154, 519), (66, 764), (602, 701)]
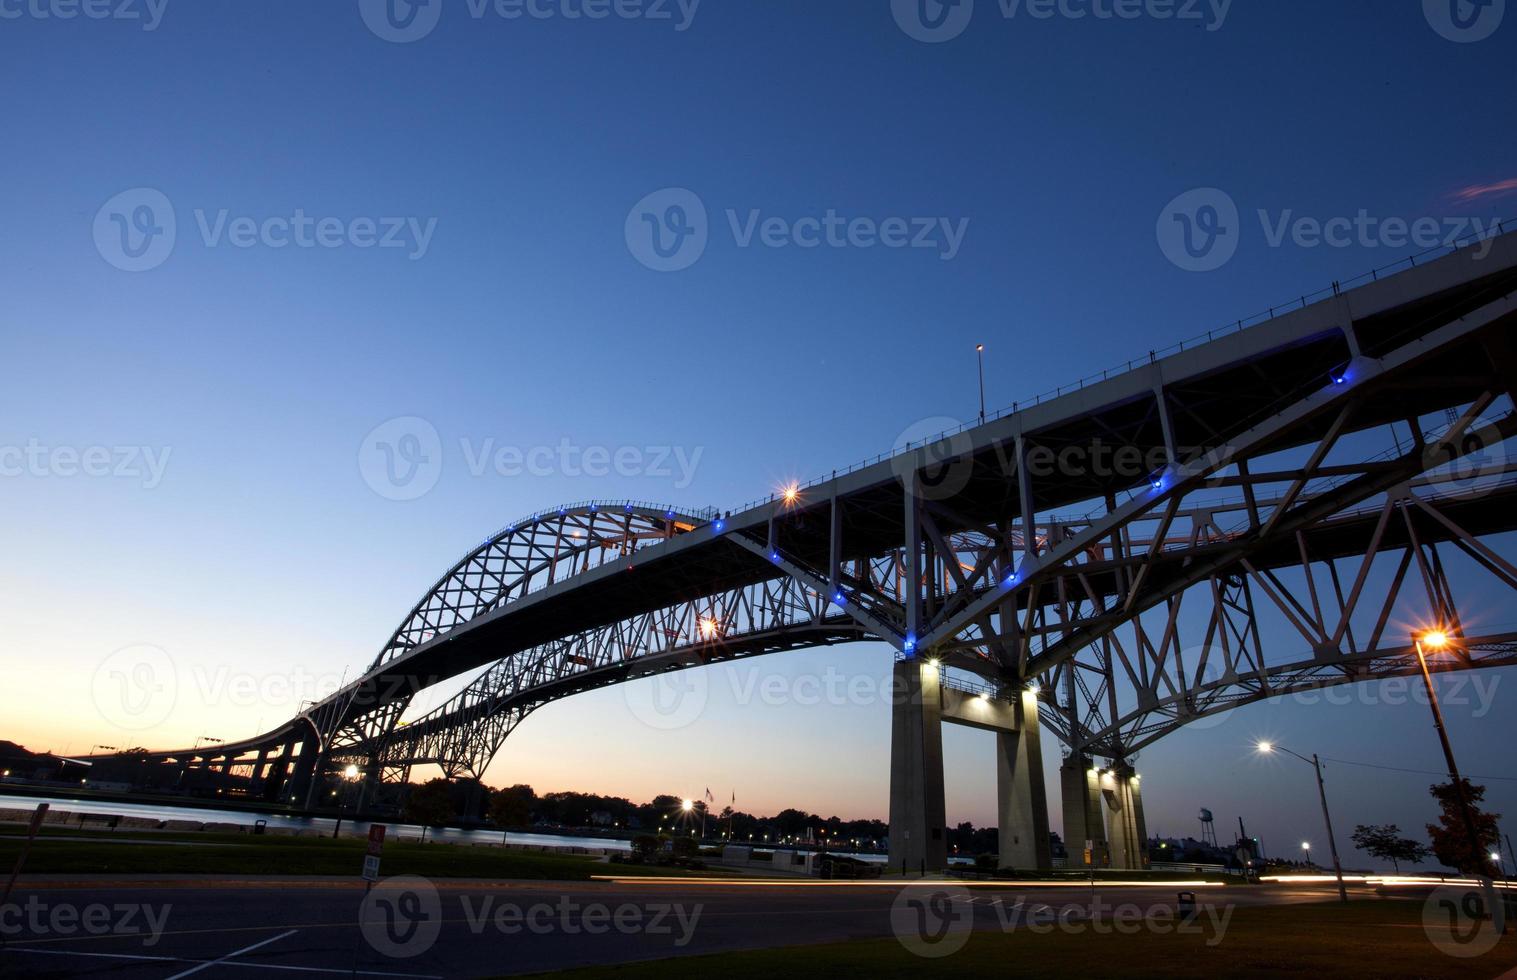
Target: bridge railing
[(1502, 227)]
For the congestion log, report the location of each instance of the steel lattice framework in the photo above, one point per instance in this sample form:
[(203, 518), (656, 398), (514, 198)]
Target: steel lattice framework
[(1297, 487)]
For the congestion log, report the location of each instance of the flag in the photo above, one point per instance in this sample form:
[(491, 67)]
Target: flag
[(709, 797)]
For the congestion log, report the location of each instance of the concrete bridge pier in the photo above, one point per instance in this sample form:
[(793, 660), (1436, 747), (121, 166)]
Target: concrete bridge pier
[(1125, 826), (1080, 789), (918, 820)]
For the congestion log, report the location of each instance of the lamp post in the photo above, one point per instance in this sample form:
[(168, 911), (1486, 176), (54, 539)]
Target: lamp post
[(1438, 640), (1306, 846), (1332, 843), (979, 350)]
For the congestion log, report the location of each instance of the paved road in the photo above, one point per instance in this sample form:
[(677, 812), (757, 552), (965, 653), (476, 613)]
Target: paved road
[(416, 928)]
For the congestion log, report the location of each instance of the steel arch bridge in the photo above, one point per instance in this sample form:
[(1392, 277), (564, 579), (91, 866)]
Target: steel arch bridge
[(1255, 516)]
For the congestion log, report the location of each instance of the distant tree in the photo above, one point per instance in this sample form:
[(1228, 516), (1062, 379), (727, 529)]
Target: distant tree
[(431, 804), (512, 806), (1451, 839), (1384, 841)]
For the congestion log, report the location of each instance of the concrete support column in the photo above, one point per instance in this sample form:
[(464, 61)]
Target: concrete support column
[(1126, 829), (1023, 825), (918, 814), (303, 784), (1081, 792)]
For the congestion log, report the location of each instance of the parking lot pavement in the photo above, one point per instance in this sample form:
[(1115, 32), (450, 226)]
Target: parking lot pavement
[(412, 927)]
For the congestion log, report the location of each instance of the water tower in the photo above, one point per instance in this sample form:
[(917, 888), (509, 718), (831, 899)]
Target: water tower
[(1208, 831)]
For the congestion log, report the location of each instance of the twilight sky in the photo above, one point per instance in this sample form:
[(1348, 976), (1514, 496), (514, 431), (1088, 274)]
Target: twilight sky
[(445, 221)]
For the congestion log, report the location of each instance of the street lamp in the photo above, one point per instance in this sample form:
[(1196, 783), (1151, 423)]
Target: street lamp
[(1438, 640), (979, 350), (1332, 843), (1306, 846)]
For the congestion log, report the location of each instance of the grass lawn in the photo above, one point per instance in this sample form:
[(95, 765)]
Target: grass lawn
[(233, 854), (1379, 939)]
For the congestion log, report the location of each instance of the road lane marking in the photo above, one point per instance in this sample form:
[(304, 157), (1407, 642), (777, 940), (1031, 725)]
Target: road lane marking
[(233, 955), (246, 966)]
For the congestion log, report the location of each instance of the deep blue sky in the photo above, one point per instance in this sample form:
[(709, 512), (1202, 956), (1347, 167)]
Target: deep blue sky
[(529, 321)]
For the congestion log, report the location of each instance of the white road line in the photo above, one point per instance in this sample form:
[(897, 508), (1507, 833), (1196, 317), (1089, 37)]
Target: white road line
[(246, 966), (233, 955)]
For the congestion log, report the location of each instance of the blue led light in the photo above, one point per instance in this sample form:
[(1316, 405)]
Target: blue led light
[(838, 599), (774, 556), (719, 526), (1011, 580), (911, 642)]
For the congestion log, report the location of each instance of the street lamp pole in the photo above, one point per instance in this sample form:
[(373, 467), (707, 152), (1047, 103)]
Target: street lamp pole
[(1439, 640), (979, 350), (1327, 818)]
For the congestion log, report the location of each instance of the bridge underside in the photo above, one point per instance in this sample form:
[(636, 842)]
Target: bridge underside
[(1267, 513)]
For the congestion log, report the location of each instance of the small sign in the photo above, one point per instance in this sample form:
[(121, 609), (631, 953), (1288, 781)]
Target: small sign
[(371, 859)]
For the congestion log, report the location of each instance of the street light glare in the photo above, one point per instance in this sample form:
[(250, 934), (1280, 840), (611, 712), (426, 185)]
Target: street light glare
[(1435, 639), (1266, 747), (351, 772), (687, 805)]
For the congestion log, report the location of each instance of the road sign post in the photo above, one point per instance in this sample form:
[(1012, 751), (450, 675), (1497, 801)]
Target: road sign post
[(371, 859)]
